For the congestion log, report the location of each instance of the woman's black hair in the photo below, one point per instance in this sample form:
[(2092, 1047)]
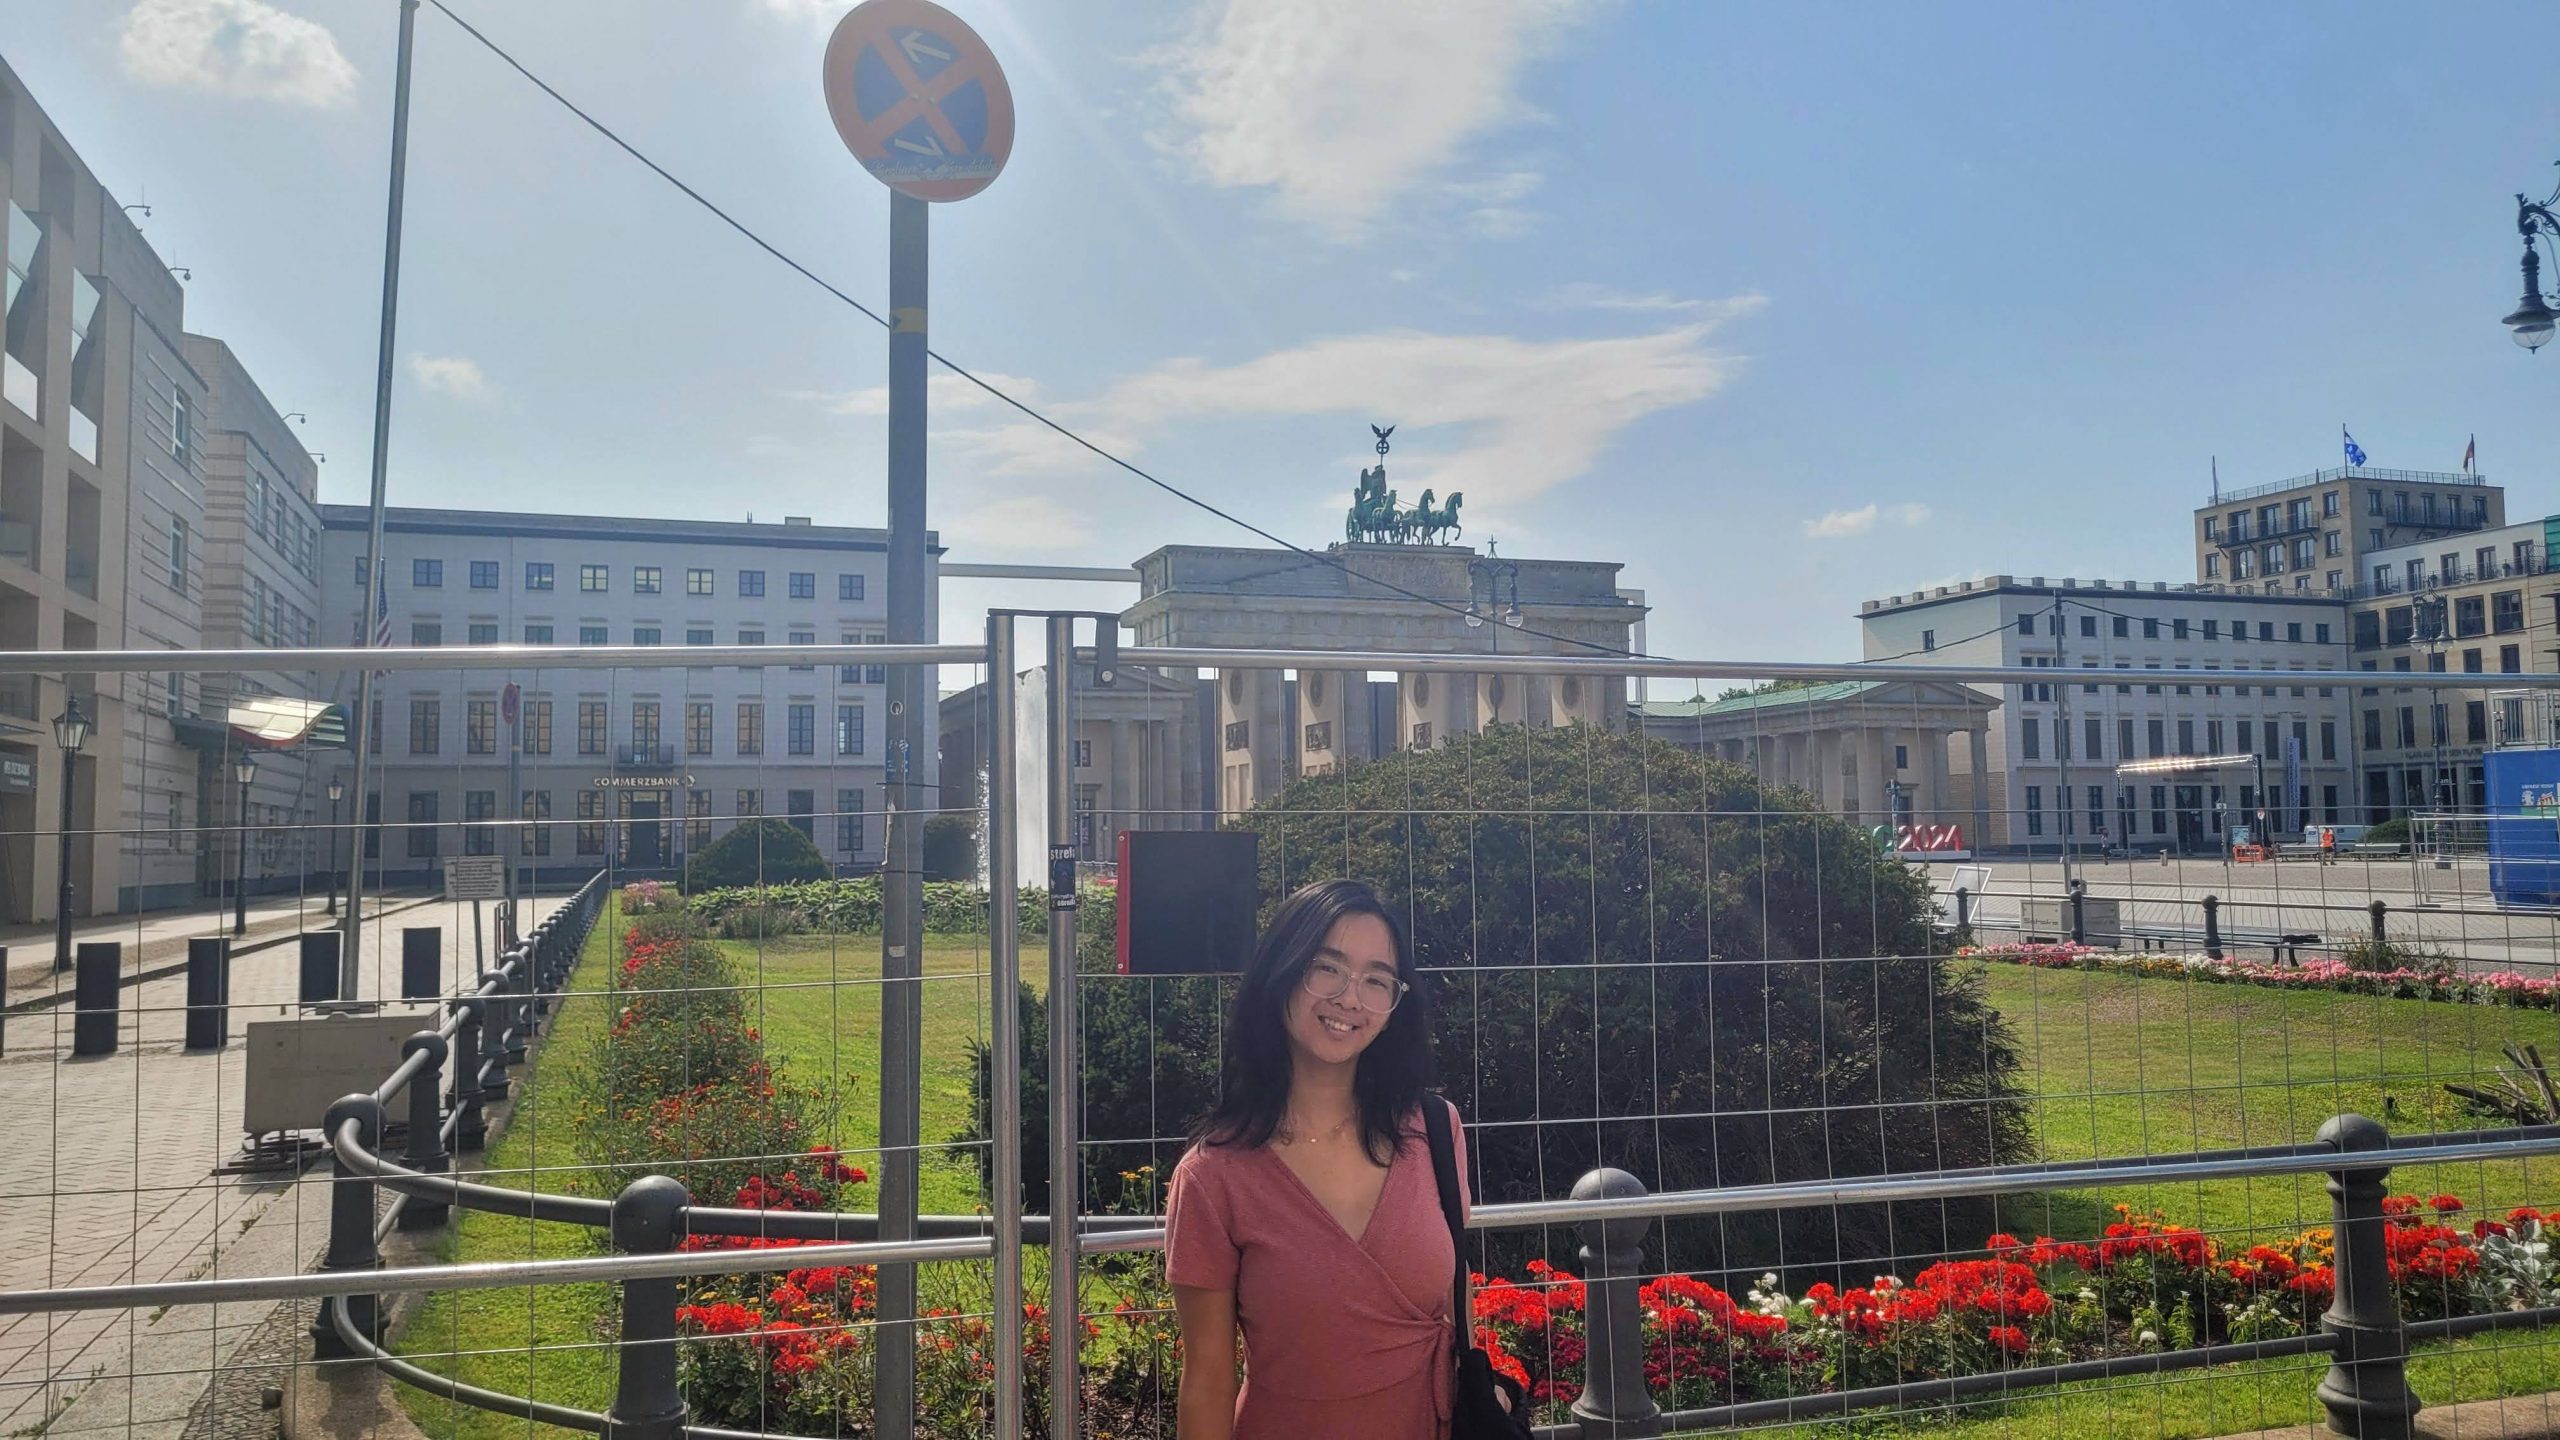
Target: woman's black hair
[(1253, 1082)]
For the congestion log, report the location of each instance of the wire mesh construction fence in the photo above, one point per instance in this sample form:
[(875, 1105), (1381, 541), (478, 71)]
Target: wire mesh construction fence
[(1835, 1047)]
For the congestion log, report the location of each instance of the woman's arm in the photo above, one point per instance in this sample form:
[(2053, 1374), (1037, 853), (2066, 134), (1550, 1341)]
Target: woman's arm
[(1206, 1409)]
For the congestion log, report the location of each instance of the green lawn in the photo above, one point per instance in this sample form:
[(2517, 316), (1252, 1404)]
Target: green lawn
[(817, 1004), (2118, 1065), (2126, 1065)]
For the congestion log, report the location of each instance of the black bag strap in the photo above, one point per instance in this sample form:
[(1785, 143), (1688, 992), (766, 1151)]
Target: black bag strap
[(1444, 1169)]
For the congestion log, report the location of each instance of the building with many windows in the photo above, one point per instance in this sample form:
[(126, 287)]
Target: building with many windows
[(103, 535), (2479, 604), (2203, 670), (636, 766), (2315, 533)]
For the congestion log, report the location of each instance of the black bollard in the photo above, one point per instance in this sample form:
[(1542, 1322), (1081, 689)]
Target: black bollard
[(2379, 910), (421, 962), (351, 1244), (2213, 927), (647, 1405), (2079, 922), (426, 1152), (2367, 1387), (470, 1128), (519, 1008), (96, 989), (319, 966), (208, 992), (1964, 914)]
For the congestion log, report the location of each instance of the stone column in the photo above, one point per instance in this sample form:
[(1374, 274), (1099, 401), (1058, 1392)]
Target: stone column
[(1826, 769), (1126, 793), (1873, 761), (1939, 809), (1186, 763), (1978, 749)]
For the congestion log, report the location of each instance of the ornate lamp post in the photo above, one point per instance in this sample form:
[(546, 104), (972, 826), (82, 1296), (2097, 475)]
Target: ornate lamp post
[(2532, 319), (70, 731), (244, 770), (337, 792)]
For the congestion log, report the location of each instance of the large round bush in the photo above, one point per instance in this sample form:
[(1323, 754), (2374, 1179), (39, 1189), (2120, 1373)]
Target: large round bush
[(1643, 959), (762, 851)]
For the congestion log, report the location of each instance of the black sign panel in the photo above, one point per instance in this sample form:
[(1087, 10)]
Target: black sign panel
[(1186, 901)]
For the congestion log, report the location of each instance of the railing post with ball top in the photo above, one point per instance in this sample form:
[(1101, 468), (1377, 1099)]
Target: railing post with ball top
[(426, 1152), (470, 1127), (2367, 1387), (351, 1244), (647, 1404), (1615, 1401)]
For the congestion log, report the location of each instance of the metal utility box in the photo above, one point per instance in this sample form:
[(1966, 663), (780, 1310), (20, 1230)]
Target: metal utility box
[(298, 1068), (2524, 826), (2101, 919)]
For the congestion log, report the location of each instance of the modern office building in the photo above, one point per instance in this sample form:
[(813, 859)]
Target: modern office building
[(2314, 534), (643, 766), (100, 494), (2203, 670), (2467, 607)]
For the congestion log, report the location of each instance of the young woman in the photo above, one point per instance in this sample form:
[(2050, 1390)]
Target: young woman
[(1306, 1216)]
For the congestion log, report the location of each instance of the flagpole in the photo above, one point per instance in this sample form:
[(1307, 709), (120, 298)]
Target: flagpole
[(376, 584)]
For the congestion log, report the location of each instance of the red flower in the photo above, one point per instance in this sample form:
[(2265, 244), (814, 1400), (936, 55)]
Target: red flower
[(2444, 1204), (2009, 1338)]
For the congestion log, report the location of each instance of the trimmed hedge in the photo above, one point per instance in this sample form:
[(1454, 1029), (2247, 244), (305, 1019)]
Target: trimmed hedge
[(852, 907)]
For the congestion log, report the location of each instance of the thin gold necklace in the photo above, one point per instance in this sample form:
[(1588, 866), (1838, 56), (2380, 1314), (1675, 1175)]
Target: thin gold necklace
[(1288, 1136)]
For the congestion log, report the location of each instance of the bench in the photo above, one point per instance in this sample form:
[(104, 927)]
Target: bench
[(2284, 944)]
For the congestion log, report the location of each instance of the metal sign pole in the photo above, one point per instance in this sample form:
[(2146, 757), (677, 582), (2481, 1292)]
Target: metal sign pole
[(1004, 984), (911, 695), (1065, 1327), (349, 968)]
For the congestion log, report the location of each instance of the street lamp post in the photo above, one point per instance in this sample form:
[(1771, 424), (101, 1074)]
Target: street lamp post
[(244, 770), (70, 731), (2532, 319), (337, 792)]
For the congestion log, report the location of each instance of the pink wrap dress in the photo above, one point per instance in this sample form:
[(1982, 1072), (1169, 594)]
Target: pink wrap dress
[(1344, 1337)]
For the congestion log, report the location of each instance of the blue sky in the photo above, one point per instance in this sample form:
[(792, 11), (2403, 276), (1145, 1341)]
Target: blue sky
[(1689, 286)]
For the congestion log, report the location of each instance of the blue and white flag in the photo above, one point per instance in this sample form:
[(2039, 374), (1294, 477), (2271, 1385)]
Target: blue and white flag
[(2355, 452)]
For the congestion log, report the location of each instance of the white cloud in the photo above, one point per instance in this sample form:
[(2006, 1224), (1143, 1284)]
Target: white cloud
[(454, 375), (1585, 295), (1840, 524), (240, 48), (1501, 418), (1019, 522), (1493, 209), (944, 393), (1340, 106)]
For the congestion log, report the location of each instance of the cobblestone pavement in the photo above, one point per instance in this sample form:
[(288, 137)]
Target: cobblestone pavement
[(105, 1170)]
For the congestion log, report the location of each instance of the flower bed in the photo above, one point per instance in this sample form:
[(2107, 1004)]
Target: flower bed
[(852, 907), (2143, 1285), (2499, 987)]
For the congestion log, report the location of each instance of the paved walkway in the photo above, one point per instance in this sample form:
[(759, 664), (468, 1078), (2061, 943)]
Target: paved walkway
[(157, 939), (105, 1161)]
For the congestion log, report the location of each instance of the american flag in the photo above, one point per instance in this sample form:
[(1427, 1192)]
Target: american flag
[(381, 618)]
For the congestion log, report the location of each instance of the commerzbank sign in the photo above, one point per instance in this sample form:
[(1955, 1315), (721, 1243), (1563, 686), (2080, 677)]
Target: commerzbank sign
[(642, 782)]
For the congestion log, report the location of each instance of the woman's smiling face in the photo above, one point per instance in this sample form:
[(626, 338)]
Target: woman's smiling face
[(1359, 956)]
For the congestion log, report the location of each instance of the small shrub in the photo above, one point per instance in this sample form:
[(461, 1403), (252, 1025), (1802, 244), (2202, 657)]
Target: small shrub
[(2382, 957), (2389, 832), (760, 922), (761, 851), (669, 925)]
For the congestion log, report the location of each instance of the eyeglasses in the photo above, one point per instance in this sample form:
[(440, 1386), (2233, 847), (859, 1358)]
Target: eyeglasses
[(1374, 993)]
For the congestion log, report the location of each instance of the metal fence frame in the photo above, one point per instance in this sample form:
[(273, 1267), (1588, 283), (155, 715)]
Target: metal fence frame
[(2365, 1390)]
